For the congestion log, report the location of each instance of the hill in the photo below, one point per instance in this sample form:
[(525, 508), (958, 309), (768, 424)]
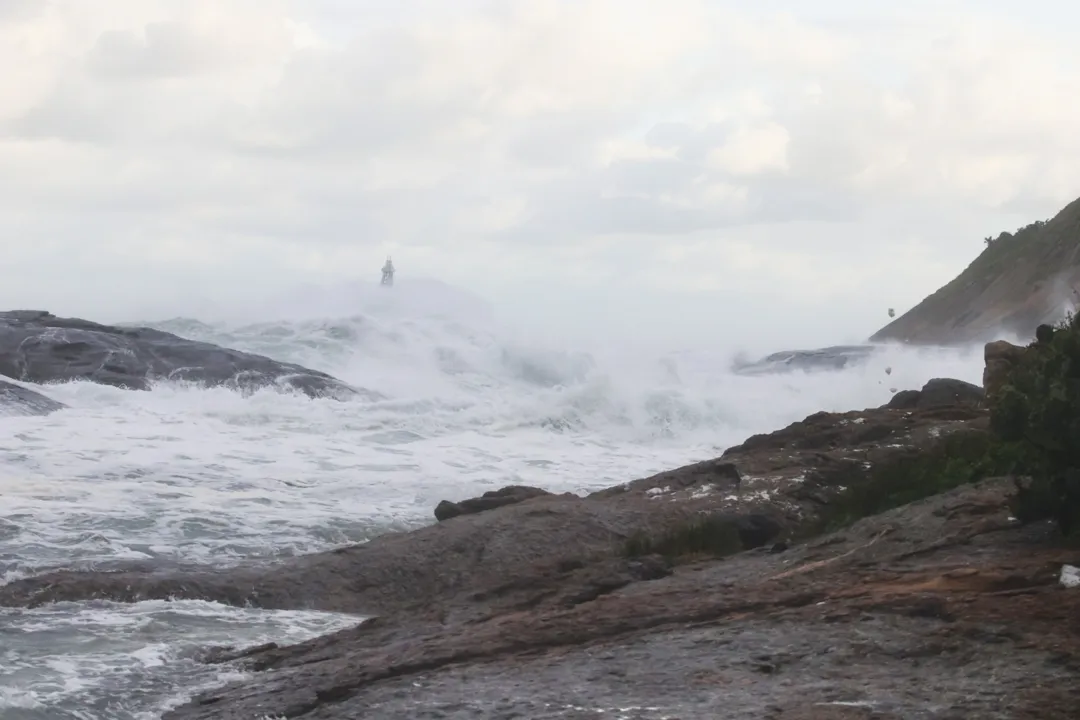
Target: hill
[(1020, 280)]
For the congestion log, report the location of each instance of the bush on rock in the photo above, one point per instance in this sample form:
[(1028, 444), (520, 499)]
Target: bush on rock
[(1036, 421)]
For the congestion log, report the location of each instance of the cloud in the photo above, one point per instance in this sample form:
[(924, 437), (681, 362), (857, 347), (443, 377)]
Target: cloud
[(736, 148), (752, 150)]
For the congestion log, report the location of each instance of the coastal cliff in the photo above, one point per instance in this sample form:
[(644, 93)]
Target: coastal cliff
[(1019, 281)]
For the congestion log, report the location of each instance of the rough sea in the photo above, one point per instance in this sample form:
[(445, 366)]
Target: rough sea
[(209, 475)]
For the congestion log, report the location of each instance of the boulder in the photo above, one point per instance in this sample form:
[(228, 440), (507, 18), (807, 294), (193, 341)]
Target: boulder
[(17, 400), (941, 392), (904, 400), (508, 495), (1000, 358), (38, 347), (938, 584), (838, 357), (937, 393)]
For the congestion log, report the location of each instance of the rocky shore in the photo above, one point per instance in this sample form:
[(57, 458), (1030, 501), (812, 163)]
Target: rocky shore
[(940, 609), (815, 572)]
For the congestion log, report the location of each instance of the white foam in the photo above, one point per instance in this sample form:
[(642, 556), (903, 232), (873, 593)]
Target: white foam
[(130, 659)]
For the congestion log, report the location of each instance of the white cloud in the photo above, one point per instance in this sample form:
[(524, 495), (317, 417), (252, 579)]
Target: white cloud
[(582, 142), (752, 150)]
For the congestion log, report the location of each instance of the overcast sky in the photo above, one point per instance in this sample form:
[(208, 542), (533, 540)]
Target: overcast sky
[(817, 161)]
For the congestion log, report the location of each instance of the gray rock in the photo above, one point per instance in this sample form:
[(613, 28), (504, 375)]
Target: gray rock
[(36, 346), (904, 400), (830, 358), (17, 400), (941, 392), (508, 495)]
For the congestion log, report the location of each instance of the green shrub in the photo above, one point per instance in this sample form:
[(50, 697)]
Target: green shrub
[(1036, 419), (961, 457)]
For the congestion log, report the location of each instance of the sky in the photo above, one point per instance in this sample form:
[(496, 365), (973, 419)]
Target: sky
[(699, 166)]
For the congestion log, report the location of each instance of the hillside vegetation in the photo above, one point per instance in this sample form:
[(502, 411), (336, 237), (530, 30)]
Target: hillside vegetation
[(1019, 281)]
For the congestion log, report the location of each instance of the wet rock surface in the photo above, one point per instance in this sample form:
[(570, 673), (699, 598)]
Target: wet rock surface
[(940, 609), (17, 400), (36, 346), (943, 608)]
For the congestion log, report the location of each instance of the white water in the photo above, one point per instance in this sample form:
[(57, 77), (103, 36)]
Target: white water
[(211, 476)]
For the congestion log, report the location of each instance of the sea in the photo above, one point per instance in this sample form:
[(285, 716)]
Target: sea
[(465, 403)]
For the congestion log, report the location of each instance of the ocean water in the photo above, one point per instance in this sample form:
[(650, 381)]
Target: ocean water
[(214, 476)]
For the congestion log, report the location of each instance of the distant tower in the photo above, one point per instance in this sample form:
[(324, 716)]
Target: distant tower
[(388, 273)]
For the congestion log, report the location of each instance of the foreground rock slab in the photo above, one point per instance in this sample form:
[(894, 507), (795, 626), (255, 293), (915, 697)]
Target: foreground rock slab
[(17, 400), (940, 609), (38, 347)]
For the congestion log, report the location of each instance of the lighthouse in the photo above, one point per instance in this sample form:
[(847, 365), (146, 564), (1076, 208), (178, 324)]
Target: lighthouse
[(388, 273)]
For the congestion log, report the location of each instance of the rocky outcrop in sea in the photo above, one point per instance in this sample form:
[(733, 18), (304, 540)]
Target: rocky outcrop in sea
[(838, 357), (38, 347)]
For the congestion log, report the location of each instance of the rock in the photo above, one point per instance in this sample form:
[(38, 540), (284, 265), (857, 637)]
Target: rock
[(1000, 358), (830, 358), (937, 393), (227, 654), (941, 392), (474, 565), (38, 347), (17, 400), (508, 495), (698, 480), (904, 400), (1044, 334), (772, 631), (446, 510)]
